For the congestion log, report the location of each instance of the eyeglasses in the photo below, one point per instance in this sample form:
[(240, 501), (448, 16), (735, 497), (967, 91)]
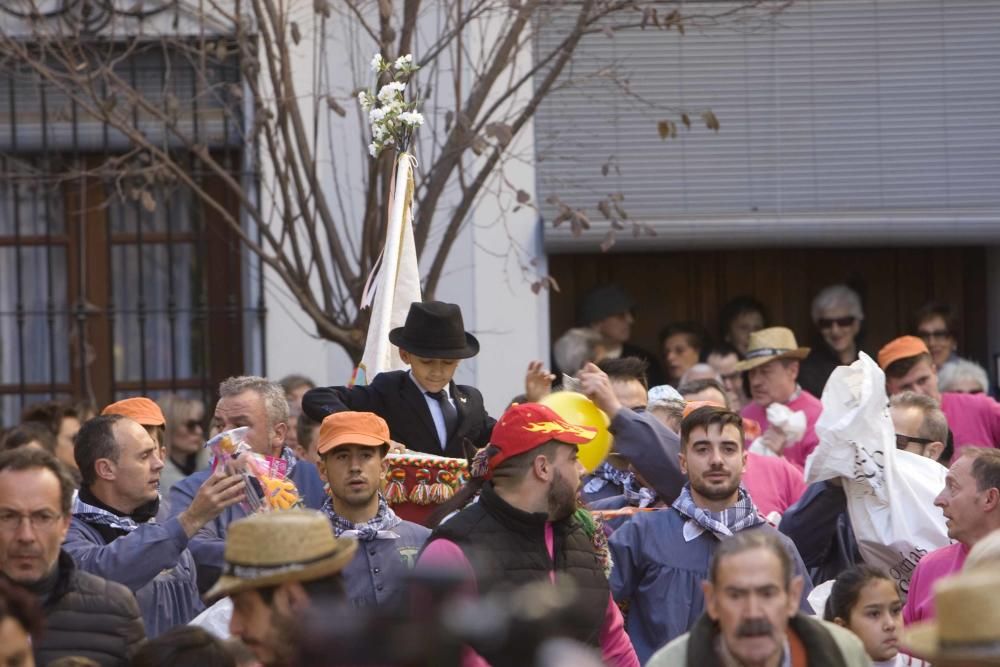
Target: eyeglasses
[(42, 519), (939, 334), (842, 322), (903, 440), (192, 424)]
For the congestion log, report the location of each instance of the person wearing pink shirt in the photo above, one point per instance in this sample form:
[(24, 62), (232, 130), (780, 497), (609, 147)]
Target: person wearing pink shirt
[(525, 528), (974, 419), (772, 366), (971, 504)]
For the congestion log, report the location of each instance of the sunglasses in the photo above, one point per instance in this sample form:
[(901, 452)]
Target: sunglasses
[(903, 440), (192, 424), (842, 322), (939, 334)]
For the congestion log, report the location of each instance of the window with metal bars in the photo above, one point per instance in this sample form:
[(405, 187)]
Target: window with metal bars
[(109, 291)]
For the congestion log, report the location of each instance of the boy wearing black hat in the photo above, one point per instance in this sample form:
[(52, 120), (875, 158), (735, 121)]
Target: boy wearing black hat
[(426, 411)]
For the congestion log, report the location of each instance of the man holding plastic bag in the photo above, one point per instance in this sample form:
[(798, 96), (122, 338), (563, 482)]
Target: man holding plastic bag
[(890, 493)]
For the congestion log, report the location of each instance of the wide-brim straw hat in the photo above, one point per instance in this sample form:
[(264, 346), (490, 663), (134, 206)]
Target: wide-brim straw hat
[(967, 627), (272, 548), (770, 344)]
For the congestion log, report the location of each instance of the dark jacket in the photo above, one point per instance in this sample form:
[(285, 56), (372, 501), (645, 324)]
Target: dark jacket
[(506, 547), (395, 397), (824, 645), (816, 368), (90, 617), (820, 527)]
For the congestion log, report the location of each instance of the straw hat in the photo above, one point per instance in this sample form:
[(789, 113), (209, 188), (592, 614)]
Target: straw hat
[(274, 547), (770, 344), (967, 627)]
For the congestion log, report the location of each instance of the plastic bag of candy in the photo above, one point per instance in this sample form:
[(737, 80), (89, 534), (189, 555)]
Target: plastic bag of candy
[(266, 477)]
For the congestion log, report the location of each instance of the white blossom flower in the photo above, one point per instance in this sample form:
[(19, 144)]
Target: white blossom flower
[(378, 63), (365, 100), (404, 62), (372, 149), (411, 118), (376, 115), (391, 90)]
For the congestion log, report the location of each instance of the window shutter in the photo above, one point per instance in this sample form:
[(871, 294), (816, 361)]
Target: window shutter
[(856, 122)]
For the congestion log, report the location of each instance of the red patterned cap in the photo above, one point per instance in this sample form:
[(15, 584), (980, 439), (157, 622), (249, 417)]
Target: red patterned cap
[(528, 425)]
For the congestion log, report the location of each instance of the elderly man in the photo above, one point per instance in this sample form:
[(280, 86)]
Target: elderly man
[(278, 565), (772, 365), (85, 615), (352, 447), (260, 405), (661, 557), (113, 534), (525, 528), (751, 615), (971, 504), (974, 418)]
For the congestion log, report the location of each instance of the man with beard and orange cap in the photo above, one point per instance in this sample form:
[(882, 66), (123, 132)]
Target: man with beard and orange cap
[(525, 528), (661, 558)]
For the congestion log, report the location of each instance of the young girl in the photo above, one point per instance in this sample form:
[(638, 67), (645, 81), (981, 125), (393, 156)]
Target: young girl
[(865, 601)]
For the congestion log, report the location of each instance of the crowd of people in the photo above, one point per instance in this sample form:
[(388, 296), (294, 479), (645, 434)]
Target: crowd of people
[(697, 540)]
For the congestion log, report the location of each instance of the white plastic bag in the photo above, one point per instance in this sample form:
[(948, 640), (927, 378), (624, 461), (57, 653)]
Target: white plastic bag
[(890, 493)]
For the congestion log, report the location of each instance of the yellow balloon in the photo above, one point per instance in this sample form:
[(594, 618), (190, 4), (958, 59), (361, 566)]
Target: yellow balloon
[(580, 410)]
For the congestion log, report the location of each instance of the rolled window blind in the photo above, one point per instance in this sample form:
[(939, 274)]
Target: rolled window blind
[(842, 122)]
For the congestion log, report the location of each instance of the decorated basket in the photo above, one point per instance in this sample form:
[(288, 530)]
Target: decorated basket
[(416, 483)]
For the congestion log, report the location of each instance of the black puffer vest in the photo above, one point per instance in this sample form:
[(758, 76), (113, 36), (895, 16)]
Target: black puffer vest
[(506, 548)]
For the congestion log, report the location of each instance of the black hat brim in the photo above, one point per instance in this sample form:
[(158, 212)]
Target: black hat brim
[(398, 338)]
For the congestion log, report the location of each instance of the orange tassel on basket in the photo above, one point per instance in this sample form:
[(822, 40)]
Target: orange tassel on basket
[(444, 488), (395, 490), (421, 493)]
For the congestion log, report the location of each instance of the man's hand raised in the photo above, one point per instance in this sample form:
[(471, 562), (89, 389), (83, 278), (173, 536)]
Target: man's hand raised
[(596, 385), (219, 491)]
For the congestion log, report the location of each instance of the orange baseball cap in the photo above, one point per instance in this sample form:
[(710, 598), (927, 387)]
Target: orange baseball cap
[(691, 406), (901, 348), (140, 410), (352, 428)]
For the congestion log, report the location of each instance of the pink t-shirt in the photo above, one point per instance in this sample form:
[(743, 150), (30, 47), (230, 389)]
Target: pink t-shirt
[(616, 647), (774, 484), (974, 419), (796, 452), (938, 563)]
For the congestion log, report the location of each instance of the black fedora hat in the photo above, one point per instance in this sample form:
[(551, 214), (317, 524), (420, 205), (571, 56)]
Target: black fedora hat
[(435, 330)]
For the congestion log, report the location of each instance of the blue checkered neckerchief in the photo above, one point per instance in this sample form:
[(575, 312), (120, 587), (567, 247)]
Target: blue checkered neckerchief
[(728, 522), (90, 513), (379, 527), (636, 494), (605, 474)]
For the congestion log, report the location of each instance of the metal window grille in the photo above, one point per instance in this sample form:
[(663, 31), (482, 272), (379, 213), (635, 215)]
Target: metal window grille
[(109, 290)]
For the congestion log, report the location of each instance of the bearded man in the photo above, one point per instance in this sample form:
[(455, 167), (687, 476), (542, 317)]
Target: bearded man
[(525, 528), (661, 558)]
